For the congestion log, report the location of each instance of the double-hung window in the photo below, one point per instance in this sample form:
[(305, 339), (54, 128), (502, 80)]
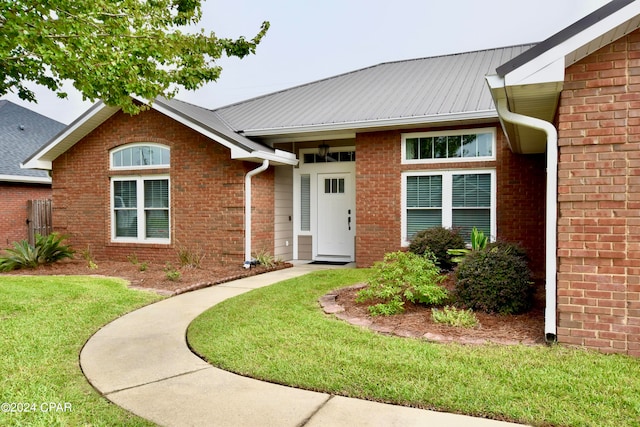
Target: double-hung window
[(453, 199), (140, 204)]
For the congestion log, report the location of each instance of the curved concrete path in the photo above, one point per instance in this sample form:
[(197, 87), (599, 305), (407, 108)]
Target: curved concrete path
[(141, 362)]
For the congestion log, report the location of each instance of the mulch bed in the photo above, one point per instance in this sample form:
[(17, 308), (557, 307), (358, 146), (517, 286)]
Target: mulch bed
[(416, 322)]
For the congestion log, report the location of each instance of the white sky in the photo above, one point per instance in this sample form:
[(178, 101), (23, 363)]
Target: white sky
[(314, 39)]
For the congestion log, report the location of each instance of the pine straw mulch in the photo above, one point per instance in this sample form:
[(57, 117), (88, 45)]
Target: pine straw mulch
[(154, 277), (416, 322)]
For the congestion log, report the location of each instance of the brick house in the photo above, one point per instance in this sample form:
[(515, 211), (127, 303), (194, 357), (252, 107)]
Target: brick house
[(22, 131), (534, 144)]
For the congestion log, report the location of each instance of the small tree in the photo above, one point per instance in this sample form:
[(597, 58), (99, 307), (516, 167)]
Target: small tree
[(110, 49)]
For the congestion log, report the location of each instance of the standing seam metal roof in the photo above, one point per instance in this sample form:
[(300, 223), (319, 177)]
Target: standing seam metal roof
[(432, 86)]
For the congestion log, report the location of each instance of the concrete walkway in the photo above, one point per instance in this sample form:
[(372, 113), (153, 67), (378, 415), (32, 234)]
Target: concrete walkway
[(141, 362)]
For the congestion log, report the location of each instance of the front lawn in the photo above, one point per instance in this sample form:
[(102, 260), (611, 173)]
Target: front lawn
[(280, 334), (44, 322)]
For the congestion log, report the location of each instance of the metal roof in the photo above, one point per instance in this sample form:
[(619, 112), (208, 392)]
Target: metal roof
[(432, 89), (201, 120), (22, 131), (565, 34)]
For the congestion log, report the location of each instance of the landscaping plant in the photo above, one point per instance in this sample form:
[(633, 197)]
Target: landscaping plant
[(437, 240), (478, 242), (453, 316), (495, 280), (403, 276), (48, 249)]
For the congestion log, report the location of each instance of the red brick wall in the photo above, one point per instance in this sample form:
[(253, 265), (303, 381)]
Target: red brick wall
[(599, 200), (520, 196), (206, 190), (13, 209)]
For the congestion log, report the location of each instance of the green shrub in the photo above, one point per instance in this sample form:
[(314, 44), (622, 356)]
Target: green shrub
[(403, 276), (48, 249), (437, 240), (513, 248), (450, 315), (171, 273), (494, 280)]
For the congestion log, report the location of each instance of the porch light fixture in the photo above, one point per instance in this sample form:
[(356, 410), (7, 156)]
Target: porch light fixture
[(323, 150)]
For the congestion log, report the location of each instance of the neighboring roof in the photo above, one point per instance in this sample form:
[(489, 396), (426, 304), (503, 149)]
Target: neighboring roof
[(197, 118), (23, 131), (530, 84), (436, 89)]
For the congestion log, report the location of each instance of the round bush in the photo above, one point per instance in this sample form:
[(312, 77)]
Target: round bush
[(495, 281), (438, 240)]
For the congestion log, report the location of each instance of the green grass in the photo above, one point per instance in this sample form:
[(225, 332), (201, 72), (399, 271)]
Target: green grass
[(280, 334), (44, 322)]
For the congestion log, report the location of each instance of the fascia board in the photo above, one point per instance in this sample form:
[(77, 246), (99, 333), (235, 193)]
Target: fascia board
[(25, 179), (372, 124)]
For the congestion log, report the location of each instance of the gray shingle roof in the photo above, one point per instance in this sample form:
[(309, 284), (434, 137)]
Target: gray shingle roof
[(22, 132), (427, 87)]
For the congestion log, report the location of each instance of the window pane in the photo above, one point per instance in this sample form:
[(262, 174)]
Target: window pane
[(412, 148), (341, 185), (485, 146), (466, 219), (126, 157), (327, 186), (166, 156), (473, 190), (157, 223), (454, 145), (145, 154), (424, 191), (421, 219), (440, 147), (305, 202), (469, 146), (135, 156), (426, 148), (156, 193), (126, 223), (124, 194), (117, 158)]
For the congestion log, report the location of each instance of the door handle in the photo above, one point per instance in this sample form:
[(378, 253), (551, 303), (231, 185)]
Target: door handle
[(349, 223)]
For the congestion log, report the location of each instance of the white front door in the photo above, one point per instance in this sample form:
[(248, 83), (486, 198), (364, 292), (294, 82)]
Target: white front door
[(336, 217)]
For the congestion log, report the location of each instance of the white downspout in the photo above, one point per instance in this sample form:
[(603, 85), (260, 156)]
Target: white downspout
[(552, 209), (247, 211)]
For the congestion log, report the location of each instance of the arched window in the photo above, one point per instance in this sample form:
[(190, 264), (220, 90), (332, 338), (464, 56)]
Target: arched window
[(140, 156), (140, 204)]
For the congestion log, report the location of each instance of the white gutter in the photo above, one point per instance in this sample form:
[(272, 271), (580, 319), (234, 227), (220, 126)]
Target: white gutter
[(26, 179), (552, 209), (247, 210)]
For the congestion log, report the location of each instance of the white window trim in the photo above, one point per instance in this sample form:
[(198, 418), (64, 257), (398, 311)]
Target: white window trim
[(137, 167), (447, 197), (140, 179), (456, 132)]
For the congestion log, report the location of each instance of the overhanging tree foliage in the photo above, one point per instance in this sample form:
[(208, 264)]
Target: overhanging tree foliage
[(110, 49)]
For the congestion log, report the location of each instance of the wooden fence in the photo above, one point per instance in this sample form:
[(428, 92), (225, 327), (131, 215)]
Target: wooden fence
[(38, 218)]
